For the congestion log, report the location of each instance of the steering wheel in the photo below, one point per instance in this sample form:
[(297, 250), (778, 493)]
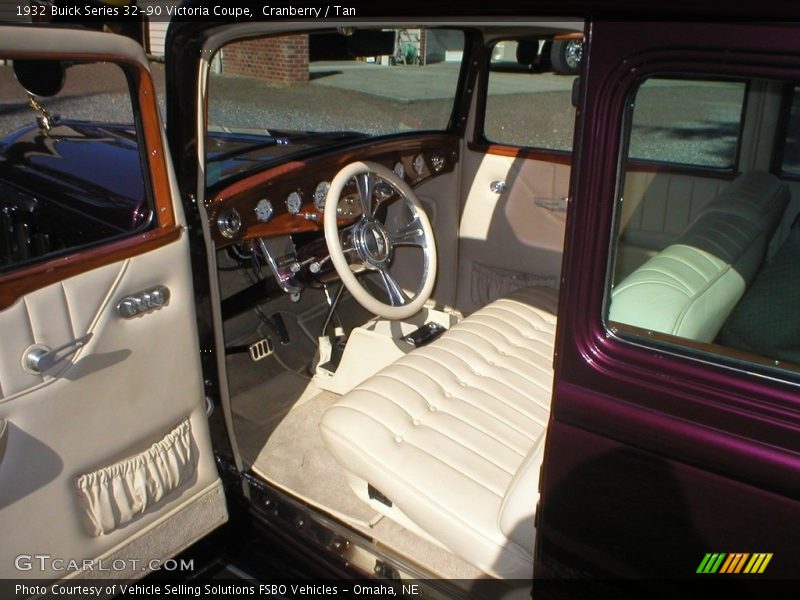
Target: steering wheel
[(373, 244)]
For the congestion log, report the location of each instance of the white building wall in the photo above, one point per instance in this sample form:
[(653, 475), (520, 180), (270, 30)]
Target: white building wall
[(156, 25)]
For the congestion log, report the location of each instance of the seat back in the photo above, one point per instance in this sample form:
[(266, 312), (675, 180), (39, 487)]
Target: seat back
[(691, 287)]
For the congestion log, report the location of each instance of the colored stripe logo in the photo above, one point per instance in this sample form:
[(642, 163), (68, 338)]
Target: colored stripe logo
[(734, 562)]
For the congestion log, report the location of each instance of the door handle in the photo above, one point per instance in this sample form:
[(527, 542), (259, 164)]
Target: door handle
[(498, 187), (39, 358), (143, 302), (552, 204)]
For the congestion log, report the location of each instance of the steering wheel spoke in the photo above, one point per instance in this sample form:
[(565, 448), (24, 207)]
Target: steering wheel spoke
[(365, 182), (410, 234), (397, 297)]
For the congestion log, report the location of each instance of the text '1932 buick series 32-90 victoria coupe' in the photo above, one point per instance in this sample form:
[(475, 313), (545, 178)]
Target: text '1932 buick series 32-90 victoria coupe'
[(464, 301)]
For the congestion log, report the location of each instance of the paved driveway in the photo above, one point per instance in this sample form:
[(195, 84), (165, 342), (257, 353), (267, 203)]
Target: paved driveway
[(526, 109)]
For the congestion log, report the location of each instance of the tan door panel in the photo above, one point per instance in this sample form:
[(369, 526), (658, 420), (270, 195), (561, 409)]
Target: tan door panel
[(509, 237), (134, 381)]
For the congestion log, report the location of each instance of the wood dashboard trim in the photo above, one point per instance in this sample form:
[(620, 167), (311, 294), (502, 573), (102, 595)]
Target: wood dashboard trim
[(551, 156), (300, 175)]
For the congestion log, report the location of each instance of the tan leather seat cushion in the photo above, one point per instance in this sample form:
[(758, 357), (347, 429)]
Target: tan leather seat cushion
[(452, 432)]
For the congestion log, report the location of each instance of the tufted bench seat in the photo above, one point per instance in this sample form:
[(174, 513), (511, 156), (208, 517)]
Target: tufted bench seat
[(691, 287), (448, 440)]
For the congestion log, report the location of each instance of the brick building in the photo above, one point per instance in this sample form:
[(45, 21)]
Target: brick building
[(282, 60)]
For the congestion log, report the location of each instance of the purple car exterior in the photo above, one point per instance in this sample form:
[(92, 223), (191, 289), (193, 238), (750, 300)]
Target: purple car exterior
[(658, 457)]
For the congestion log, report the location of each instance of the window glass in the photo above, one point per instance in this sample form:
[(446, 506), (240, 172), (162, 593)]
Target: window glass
[(707, 283), (277, 96), (527, 102), (71, 171), (689, 122)]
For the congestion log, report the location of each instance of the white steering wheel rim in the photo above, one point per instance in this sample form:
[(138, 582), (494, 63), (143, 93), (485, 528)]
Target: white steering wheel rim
[(350, 281)]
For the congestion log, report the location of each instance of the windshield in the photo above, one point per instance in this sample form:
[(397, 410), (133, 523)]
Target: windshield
[(277, 96)]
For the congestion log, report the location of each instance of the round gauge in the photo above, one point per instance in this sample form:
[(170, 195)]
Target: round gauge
[(320, 194), (399, 170), (294, 202), (418, 164), (264, 210)]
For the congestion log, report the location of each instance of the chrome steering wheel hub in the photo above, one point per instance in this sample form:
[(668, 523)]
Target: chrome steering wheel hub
[(372, 243)]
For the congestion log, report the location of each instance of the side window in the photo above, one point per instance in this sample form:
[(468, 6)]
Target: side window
[(687, 122), (71, 173), (712, 288), (529, 95)]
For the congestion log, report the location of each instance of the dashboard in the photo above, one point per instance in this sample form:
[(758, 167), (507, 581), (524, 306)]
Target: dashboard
[(290, 198)]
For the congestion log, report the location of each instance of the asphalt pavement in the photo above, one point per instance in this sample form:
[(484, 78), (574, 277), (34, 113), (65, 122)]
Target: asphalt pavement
[(523, 108)]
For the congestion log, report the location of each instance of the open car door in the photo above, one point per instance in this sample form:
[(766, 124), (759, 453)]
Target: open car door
[(106, 466), (673, 436)]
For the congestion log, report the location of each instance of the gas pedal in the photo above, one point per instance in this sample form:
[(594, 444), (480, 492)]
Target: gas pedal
[(261, 349)]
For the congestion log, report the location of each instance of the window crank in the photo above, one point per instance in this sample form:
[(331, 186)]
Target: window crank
[(39, 358)]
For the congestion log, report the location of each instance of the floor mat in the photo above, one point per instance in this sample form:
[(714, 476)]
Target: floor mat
[(295, 458), (261, 395), (268, 403)]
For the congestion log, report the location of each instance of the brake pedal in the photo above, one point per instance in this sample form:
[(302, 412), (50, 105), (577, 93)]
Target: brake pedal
[(261, 349)]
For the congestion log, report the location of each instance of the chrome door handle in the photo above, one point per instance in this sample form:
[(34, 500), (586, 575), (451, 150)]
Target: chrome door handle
[(552, 204), (498, 187), (39, 358), (143, 302)]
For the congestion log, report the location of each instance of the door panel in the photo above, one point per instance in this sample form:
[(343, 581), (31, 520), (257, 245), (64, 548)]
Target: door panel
[(512, 238), (108, 453), (125, 390)]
